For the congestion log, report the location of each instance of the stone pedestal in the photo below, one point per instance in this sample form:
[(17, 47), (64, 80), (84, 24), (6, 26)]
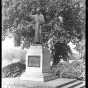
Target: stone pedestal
[(38, 64)]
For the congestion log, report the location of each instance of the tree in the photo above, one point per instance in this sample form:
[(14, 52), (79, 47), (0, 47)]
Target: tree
[(15, 12)]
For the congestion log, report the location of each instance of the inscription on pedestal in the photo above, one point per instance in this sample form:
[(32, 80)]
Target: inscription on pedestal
[(33, 61)]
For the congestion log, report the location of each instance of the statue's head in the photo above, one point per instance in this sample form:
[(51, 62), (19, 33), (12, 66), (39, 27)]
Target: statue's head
[(33, 11), (38, 11)]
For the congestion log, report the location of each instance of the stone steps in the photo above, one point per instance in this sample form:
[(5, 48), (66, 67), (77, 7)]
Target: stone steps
[(73, 84), (81, 85), (66, 83)]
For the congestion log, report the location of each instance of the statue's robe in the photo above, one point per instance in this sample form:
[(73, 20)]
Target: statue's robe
[(38, 20)]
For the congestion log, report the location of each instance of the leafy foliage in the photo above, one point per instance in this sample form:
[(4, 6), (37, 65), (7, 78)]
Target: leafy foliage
[(13, 70), (16, 12)]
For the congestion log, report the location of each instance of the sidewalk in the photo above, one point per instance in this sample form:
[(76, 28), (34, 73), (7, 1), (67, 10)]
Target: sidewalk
[(58, 83)]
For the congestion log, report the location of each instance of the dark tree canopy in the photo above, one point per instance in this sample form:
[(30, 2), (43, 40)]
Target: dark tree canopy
[(61, 50)]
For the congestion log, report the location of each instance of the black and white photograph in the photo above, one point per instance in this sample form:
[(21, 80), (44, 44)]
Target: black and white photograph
[(43, 44)]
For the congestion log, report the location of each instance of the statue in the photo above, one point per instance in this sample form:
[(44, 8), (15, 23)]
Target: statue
[(38, 19)]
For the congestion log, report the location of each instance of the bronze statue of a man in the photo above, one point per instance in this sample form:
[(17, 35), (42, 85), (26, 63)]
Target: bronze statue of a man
[(38, 19)]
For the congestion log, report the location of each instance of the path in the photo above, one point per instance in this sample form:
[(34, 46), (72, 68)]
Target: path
[(58, 83)]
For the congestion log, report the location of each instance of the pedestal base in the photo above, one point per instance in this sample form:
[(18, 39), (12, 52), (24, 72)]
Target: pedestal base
[(38, 76)]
